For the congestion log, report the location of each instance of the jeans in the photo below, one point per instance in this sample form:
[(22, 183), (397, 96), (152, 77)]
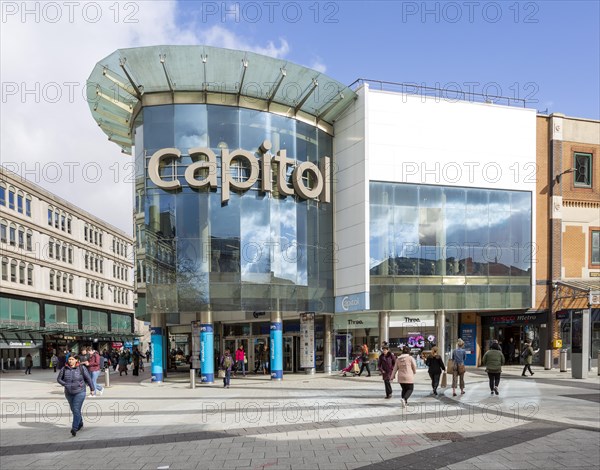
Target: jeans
[(227, 378), (494, 379), (240, 365), (407, 390), (75, 403), (388, 388), (435, 380), (95, 376)]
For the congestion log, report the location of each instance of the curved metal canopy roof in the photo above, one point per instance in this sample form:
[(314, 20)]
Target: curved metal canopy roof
[(125, 80)]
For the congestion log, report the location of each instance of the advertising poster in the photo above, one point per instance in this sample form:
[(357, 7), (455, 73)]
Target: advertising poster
[(307, 340), (468, 333)]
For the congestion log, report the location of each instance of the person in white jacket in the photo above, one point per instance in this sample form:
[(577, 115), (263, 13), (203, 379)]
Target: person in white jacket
[(406, 367)]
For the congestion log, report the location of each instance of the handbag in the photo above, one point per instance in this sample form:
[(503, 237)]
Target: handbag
[(461, 368), (444, 381), (221, 374), (450, 366)]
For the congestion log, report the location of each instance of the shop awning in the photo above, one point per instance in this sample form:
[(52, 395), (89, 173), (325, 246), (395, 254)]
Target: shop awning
[(20, 340), (580, 288)]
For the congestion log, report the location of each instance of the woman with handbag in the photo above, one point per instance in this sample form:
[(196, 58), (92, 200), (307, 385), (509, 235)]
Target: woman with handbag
[(458, 370), (436, 365)]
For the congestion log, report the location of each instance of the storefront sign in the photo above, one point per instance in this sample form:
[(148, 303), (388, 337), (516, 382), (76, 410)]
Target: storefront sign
[(204, 172), (594, 298), (468, 333), (408, 320), (352, 303), (307, 340), (116, 345), (522, 318), (355, 321)]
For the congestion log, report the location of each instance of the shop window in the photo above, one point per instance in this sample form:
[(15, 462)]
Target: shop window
[(595, 248), (583, 170)]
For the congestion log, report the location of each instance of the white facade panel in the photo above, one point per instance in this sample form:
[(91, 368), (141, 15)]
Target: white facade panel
[(416, 140), (351, 195)]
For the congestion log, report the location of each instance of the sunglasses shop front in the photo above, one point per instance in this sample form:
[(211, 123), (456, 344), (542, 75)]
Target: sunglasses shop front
[(513, 330)]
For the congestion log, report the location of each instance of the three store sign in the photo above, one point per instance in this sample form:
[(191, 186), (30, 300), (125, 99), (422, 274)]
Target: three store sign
[(203, 173)]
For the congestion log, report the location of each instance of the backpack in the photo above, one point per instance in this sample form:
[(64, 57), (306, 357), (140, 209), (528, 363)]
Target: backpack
[(525, 353), (227, 362)]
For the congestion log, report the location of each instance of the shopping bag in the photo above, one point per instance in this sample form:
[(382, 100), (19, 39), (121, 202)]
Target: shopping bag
[(444, 381), (355, 368), (450, 366), (221, 374)]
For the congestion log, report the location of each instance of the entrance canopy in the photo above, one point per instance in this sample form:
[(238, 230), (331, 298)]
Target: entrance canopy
[(125, 80)]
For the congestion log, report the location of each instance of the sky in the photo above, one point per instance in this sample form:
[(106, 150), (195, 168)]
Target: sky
[(545, 52)]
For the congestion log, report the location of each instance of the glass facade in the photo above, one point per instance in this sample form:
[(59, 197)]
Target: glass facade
[(259, 251), (15, 310), (434, 247)]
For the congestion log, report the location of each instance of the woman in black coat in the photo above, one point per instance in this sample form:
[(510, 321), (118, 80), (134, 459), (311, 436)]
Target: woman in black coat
[(436, 365), (73, 378), (386, 364)]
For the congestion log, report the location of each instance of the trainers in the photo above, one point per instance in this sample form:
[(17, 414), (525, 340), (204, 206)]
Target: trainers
[(388, 396), (100, 392), (73, 432), (532, 373), (496, 390), (492, 392), (91, 396), (403, 402), (462, 392)]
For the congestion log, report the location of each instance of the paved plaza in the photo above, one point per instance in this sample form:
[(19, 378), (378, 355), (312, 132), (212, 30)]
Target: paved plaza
[(548, 421)]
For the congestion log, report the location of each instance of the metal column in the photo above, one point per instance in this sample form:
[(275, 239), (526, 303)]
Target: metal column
[(327, 343)]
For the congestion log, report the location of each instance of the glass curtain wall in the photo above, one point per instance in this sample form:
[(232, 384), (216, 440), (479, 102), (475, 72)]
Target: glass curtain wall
[(258, 251), (434, 247)]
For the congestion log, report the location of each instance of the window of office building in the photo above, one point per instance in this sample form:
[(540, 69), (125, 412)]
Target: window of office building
[(595, 247), (94, 320), (5, 269), (28, 206), (583, 170), (11, 199), (19, 310), (61, 314), (2, 194), (30, 275), (120, 323), (20, 203), (3, 231)]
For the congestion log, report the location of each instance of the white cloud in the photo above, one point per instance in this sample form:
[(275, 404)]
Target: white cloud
[(47, 132), (318, 65)]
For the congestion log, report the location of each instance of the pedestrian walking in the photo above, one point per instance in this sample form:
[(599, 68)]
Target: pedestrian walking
[(458, 369), (527, 356), (54, 361), (28, 363), (260, 358), (406, 368), (364, 360), (493, 360), (240, 357), (226, 366), (94, 370), (136, 361), (435, 366), (386, 364), (123, 363), (73, 377)]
